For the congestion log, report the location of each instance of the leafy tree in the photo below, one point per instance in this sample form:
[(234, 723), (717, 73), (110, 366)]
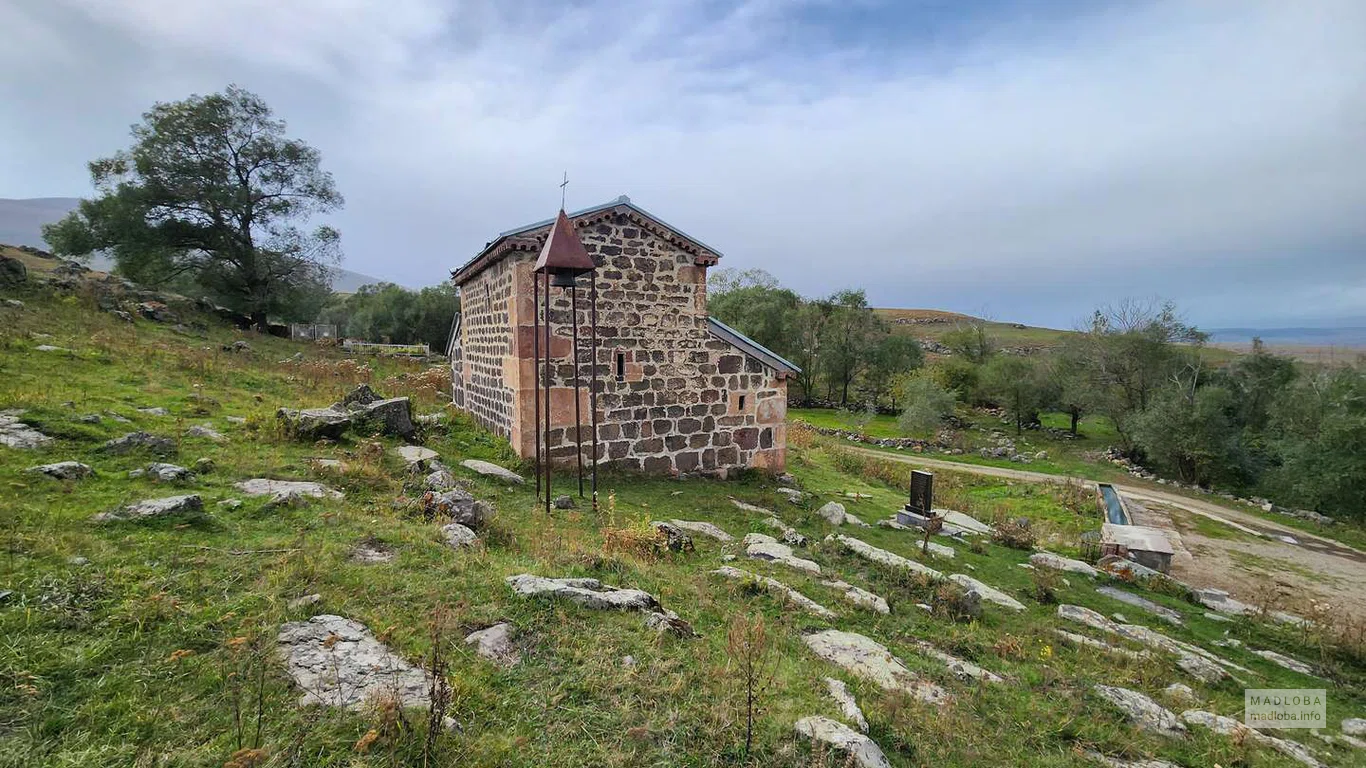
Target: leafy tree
[(1190, 430), (213, 191), (927, 405), (1319, 424), (389, 313), (960, 377), (765, 313), (892, 355), (1071, 384), (1258, 379), (970, 342), (1018, 384), (808, 349), (849, 336)]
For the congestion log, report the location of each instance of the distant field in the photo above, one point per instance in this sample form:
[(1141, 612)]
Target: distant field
[(1308, 353)]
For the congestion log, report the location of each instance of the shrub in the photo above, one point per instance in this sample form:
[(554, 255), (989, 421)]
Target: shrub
[(927, 405), (1044, 585), (1016, 533)]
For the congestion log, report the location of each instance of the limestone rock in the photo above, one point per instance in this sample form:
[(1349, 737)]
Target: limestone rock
[(860, 597), (563, 501), (12, 272), (1227, 726), (939, 550), (155, 411), (168, 473), (778, 588), (62, 470), (459, 506), (675, 540), (746, 506), (1354, 726), (1166, 614), (488, 469), (50, 348), (1181, 693), (872, 661), (1089, 642), (849, 708), (1143, 711), (665, 621), (140, 441), (882, 556), (304, 601), (458, 536), (361, 395), (963, 669), (832, 512), (1114, 762), (203, 465), (392, 417), (415, 454), (1200, 663), (495, 644), (990, 594), (791, 494), (789, 535), (286, 489), (1294, 665), (1060, 563), (315, 423), (702, 528), (230, 504), (372, 550), (762, 547), (338, 662), (207, 432), (589, 593), (851, 519), (186, 506), (440, 480), (959, 523), (862, 751)]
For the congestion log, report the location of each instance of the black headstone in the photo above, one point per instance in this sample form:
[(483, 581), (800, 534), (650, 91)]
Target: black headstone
[(922, 493)]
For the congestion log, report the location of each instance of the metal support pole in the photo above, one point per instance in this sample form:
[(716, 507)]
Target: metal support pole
[(593, 374), (578, 419), (536, 369), (547, 393)]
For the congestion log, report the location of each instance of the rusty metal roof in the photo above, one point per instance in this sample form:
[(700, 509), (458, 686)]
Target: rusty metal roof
[(563, 250)]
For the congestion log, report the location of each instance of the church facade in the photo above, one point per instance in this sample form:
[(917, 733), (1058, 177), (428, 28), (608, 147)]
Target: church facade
[(678, 392)]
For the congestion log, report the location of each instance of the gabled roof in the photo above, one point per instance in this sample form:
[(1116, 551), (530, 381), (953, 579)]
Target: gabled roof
[(753, 348), (532, 236)]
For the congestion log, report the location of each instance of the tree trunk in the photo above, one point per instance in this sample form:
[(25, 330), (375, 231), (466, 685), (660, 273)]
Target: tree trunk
[(1076, 419), (259, 321)]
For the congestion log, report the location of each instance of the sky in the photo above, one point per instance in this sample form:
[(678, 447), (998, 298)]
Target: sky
[(1027, 161)]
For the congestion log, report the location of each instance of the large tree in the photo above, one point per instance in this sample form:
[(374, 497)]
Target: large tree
[(213, 192), (1019, 385), (848, 338)]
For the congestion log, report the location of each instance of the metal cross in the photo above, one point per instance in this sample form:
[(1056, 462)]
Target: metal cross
[(563, 184)]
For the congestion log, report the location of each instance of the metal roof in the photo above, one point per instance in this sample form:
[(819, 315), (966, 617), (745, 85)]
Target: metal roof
[(754, 348), (563, 251)]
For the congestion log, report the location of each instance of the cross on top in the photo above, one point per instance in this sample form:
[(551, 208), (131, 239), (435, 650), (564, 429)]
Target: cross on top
[(563, 184)]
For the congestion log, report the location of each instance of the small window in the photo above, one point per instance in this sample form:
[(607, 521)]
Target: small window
[(742, 402), (621, 366)]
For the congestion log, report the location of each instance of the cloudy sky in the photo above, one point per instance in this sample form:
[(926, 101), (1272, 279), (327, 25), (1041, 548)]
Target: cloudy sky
[(1027, 160)]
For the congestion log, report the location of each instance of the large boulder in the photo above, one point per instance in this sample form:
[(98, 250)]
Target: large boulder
[(871, 660), (151, 509), (12, 272), (140, 441), (393, 417), (458, 506), (62, 470), (315, 423)]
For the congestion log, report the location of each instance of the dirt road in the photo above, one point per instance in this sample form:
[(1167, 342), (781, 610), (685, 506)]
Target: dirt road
[(1249, 561)]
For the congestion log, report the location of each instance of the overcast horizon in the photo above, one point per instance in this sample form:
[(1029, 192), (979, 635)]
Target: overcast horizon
[(1023, 161)]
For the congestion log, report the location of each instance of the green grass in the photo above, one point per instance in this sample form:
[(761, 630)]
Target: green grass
[(132, 658)]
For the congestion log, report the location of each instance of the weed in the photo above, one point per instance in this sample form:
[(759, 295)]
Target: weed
[(750, 650)]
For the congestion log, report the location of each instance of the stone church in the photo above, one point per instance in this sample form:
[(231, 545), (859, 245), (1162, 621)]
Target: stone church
[(678, 392)]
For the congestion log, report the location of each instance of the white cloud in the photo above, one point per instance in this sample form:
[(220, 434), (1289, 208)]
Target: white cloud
[(1156, 148)]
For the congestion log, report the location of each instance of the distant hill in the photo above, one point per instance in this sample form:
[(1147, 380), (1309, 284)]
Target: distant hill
[(22, 220), (931, 324)]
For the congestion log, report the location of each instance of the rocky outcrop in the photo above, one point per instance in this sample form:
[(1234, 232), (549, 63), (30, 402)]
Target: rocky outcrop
[(672, 538), (337, 662), (1089, 642), (872, 661), (849, 708), (152, 509), (1227, 726), (164, 473), (495, 644), (140, 441), (315, 423), (286, 489), (860, 597), (589, 593), (1143, 711), (1060, 563), (778, 588), (20, 436), (457, 505), (703, 529), (458, 536), (1294, 665), (882, 556), (988, 593), (862, 751), (762, 547), (787, 533), (1129, 598), (1196, 661), (62, 470), (206, 432), (488, 469), (965, 670), (362, 409)]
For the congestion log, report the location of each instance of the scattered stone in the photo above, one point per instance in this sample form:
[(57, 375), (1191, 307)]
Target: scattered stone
[(117, 417), (882, 556), (1181, 693), (304, 602), (958, 523), (440, 480), (860, 597), (495, 644), (315, 423), (939, 550), (832, 512), (140, 441), (203, 465), (235, 419), (990, 594), (415, 455), (167, 473), (675, 540), (488, 469), (1119, 617), (5, 595), (563, 501), (790, 535), (1227, 726), (862, 751), (783, 479), (628, 661), (750, 507), (90, 418), (124, 316), (1166, 614), (894, 524), (1216, 617), (665, 621), (284, 492), (18, 435), (1060, 563), (589, 593), (1196, 661), (774, 586), (1143, 711), (62, 470), (12, 272), (50, 348), (1294, 665), (459, 506), (1354, 726), (14, 303), (207, 432), (848, 706), (1114, 762), (155, 411), (853, 520), (871, 660), (185, 506), (1088, 642), (338, 662), (791, 494), (702, 528), (371, 550), (458, 536), (389, 417), (963, 669), (230, 503), (156, 312), (764, 547), (78, 561)]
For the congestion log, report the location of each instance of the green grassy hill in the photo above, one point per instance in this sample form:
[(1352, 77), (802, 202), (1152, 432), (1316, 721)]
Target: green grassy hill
[(154, 643)]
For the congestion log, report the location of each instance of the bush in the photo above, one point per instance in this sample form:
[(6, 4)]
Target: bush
[(1016, 533), (1044, 585), (927, 405)]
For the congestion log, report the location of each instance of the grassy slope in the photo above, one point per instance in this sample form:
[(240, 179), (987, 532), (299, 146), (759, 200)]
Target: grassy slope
[(86, 659)]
